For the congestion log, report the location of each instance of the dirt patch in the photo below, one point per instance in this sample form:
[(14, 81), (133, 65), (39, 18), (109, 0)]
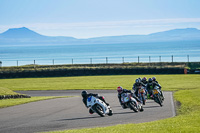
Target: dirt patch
[(177, 105)]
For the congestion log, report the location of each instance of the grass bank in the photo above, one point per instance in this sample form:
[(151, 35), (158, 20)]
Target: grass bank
[(168, 82), (99, 69), (6, 91)]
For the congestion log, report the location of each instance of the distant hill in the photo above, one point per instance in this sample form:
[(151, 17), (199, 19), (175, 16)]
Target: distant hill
[(20, 33), (25, 36), (188, 34)]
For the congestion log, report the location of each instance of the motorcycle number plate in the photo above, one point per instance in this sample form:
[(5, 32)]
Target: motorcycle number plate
[(126, 99), (155, 91)]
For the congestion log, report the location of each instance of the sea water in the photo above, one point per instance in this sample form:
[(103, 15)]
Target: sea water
[(12, 55)]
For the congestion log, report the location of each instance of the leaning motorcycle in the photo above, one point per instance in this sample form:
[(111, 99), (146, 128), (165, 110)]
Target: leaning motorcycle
[(98, 106), (142, 95), (157, 96), (131, 102)]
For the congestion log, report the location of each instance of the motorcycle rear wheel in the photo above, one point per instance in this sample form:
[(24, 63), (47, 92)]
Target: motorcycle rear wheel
[(110, 112)]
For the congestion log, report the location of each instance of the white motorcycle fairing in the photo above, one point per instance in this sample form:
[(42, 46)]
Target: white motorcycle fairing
[(91, 101)]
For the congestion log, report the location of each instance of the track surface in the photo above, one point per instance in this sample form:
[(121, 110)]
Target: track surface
[(70, 113)]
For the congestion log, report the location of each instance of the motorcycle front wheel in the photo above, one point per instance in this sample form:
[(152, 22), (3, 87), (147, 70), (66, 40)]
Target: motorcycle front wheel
[(158, 100), (99, 110), (133, 106), (143, 100)]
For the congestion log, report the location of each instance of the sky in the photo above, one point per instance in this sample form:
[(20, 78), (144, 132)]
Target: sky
[(96, 18)]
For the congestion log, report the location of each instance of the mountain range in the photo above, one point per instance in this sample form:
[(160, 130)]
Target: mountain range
[(25, 36)]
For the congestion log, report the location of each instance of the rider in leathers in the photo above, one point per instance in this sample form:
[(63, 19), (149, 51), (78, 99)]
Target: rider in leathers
[(151, 84), (121, 91), (137, 85), (85, 96)]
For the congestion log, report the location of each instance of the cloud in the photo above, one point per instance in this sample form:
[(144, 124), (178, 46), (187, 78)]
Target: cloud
[(116, 24), (106, 24)]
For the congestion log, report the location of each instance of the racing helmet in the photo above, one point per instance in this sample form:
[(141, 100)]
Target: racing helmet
[(144, 79), (84, 93), (119, 89), (137, 81), (150, 80), (154, 78)]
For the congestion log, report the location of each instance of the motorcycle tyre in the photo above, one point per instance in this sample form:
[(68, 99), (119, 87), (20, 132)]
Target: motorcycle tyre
[(143, 100), (132, 107), (99, 112), (110, 112), (141, 109), (158, 100)]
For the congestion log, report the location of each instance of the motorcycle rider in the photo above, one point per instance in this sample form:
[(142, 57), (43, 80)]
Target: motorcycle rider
[(137, 85), (144, 80), (154, 79), (85, 96), (151, 84), (120, 91)]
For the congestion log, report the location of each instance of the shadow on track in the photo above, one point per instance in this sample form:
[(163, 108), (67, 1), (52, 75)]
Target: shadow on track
[(152, 106), (92, 117), (82, 118), (124, 113)]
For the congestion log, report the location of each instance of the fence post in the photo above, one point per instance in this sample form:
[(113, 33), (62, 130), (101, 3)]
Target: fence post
[(172, 59), (106, 60), (149, 59), (122, 59), (90, 60), (138, 59), (17, 63), (34, 63), (159, 58), (53, 61), (72, 61)]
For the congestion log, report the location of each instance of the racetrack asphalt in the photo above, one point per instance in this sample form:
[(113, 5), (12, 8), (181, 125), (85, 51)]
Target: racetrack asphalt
[(70, 113)]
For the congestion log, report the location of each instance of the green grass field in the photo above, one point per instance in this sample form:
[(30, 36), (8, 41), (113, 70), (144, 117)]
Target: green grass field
[(186, 90), (6, 91), (168, 82)]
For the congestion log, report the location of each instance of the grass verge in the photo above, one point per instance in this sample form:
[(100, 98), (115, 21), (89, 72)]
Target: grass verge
[(168, 82), (6, 91)]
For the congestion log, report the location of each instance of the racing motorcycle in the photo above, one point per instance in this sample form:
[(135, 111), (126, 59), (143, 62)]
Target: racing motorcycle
[(157, 96), (142, 95), (98, 106), (131, 102)]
